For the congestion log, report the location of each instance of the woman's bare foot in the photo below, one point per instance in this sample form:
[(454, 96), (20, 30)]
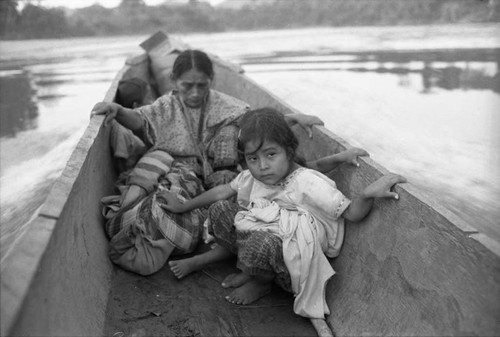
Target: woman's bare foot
[(235, 280), (249, 292), (184, 267)]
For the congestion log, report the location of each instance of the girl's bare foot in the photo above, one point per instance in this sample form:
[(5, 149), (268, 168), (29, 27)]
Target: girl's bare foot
[(249, 292), (235, 280), (184, 267)]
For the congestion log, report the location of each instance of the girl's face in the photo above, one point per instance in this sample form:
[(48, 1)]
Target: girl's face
[(193, 87), (270, 164)]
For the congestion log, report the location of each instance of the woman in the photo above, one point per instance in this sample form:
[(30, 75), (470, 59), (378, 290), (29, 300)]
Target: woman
[(191, 134)]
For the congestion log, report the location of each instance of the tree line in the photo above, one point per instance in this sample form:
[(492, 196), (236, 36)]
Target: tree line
[(135, 17)]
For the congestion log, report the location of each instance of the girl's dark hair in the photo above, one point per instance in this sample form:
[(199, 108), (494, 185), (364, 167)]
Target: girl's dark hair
[(192, 59), (266, 124)]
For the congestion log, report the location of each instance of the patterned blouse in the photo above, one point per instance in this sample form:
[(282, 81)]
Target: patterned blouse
[(192, 135)]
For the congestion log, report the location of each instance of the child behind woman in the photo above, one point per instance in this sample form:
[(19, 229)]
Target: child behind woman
[(286, 223)]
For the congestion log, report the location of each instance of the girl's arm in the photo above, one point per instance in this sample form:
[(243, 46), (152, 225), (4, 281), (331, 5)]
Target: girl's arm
[(361, 206), (217, 193), (329, 163), (126, 117)]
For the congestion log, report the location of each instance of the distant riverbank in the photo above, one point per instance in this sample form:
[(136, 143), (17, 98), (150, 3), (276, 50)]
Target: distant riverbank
[(30, 21)]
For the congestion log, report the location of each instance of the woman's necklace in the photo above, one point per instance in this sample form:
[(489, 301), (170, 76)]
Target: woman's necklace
[(195, 119)]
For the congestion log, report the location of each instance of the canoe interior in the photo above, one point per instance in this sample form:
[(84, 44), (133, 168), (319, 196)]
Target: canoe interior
[(410, 268), (161, 305)]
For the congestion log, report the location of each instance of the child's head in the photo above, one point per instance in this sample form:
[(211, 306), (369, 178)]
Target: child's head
[(267, 145), (131, 92)]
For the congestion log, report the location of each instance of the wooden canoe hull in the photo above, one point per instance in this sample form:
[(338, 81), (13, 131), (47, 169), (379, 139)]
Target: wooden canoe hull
[(410, 268)]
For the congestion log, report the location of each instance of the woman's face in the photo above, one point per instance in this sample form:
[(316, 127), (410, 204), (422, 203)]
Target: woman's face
[(193, 87)]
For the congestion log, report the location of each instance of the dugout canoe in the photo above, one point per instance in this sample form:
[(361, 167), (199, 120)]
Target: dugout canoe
[(410, 268)]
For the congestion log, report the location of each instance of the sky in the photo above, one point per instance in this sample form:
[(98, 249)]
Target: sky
[(104, 3)]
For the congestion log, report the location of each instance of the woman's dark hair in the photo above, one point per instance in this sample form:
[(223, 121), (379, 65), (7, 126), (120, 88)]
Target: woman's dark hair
[(192, 59), (266, 124)]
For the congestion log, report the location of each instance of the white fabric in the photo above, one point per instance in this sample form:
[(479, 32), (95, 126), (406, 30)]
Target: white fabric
[(262, 215), (309, 268)]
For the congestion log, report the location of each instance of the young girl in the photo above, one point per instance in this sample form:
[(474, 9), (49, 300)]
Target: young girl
[(288, 219)]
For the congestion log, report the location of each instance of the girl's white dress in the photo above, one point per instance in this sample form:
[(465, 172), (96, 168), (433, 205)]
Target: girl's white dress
[(304, 211)]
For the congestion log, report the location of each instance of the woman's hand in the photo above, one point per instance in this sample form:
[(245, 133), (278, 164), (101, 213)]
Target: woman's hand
[(381, 188), (305, 121), (172, 203), (351, 155), (328, 163), (110, 110)]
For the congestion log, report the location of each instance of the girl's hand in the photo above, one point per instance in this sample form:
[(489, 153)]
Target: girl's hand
[(361, 205), (351, 155), (381, 188), (110, 110), (172, 203)]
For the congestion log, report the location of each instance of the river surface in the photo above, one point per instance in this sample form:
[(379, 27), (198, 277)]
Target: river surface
[(433, 118)]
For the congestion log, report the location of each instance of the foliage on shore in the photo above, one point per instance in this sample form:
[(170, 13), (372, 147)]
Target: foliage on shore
[(134, 17)]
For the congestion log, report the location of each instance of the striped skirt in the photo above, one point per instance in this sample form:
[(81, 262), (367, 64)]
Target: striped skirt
[(138, 232), (258, 252)]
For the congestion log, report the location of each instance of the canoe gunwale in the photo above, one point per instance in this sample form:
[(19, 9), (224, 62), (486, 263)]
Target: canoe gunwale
[(426, 198), (23, 265)]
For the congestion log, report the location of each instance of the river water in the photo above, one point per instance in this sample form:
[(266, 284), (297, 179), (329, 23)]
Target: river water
[(428, 116)]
